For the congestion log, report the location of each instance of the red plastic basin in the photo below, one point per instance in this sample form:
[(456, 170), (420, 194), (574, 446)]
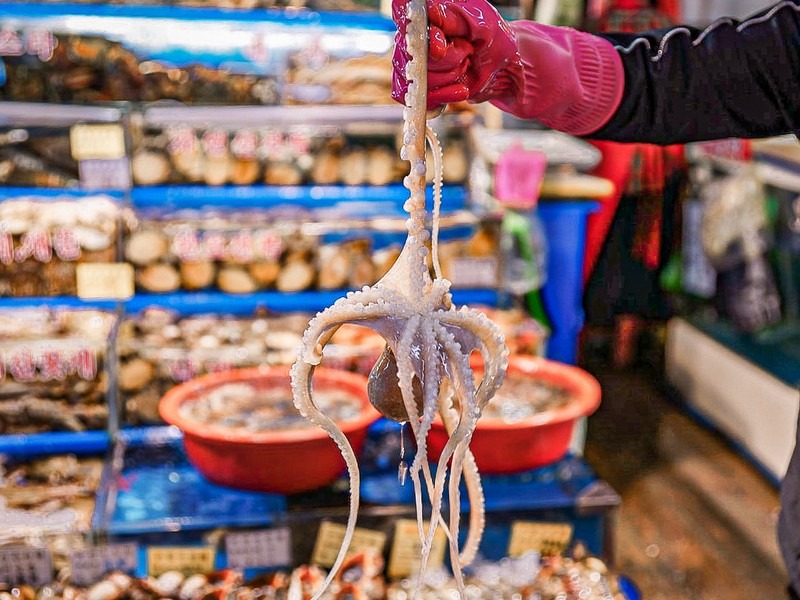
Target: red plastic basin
[(539, 440), (285, 461)]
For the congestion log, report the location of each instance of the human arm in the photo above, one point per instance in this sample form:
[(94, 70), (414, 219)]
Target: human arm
[(733, 79)]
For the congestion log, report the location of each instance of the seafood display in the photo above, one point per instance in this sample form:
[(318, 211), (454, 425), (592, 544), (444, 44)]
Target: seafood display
[(276, 156), (359, 80), (361, 578), (245, 407), (53, 370), (520, 398), (51, 495), (428, 341), (77, 68), (529, 577), (42, 240), (37, 157), (244, 252)]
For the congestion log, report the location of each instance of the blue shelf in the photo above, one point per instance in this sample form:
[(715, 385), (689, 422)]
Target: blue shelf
[(56, 193), (301, 17), (56, 302), (371, 199), (159, 491), (189, 303), (37, 444), (192, 303)]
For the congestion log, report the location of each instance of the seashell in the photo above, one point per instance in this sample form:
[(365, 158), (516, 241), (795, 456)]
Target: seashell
[(382, 162), (334, 267), (150, 167), (217, 169), (146, 246), (168, 584), (284, 340), (595, 564), (91, 239), (190, 164), (194, 587), (160, 278), (244, 172), (197, 275), (122, 580), (282, 173), (104, 590), (208, 342), (18, 216), (235, 280), (353, 167), (455, 164), (135, 375), (325, 170), (305, 581), (296, 275), (58, 214), (265, 273)]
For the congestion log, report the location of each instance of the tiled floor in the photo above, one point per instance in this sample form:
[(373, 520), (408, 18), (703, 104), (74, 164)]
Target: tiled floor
[(696, 521)]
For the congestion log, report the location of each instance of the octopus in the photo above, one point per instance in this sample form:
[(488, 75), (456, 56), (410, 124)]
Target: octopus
[(425, 364)]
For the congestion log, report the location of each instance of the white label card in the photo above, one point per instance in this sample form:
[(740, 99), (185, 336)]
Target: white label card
[(547, 539), (33, 566), (263, 548), (89, 565), (331, 536), (406, 552)]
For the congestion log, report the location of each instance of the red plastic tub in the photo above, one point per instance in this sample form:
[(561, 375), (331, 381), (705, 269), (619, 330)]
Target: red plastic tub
[(538, 440), (284, 461)]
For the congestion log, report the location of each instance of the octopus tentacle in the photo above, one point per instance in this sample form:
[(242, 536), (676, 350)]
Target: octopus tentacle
[(301, 373), (460, 375), (472, 481), (436, 150), (493, 348), (462, 431), (405, 377)]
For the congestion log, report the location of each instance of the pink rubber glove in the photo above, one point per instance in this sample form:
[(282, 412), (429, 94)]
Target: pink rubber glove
[(565, 79), (472, 52)]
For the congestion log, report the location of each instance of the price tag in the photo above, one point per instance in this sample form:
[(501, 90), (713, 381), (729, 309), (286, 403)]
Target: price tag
[(264, 548), (331, 535), (404, 557), (473, 272), (33, 566), (186, 559), (89, 565), (97, 141), (105, 174), (104, 281), (545, 538)]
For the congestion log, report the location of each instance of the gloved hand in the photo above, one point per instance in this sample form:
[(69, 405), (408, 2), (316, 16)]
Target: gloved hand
[(565, 79)]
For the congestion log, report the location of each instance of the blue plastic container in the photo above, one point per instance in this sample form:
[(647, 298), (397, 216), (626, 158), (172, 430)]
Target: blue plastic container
[(565, 228)]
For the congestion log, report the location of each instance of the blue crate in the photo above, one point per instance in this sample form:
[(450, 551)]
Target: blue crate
[(157, 490)]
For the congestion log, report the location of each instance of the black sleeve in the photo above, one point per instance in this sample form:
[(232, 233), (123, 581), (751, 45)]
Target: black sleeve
[(733, 79)]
